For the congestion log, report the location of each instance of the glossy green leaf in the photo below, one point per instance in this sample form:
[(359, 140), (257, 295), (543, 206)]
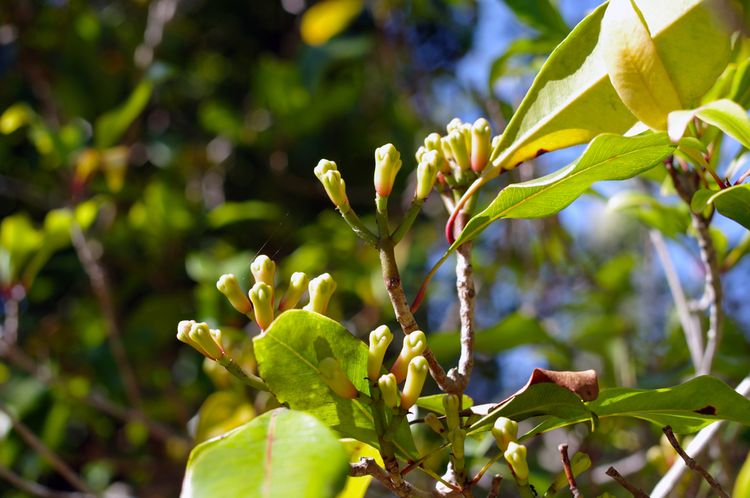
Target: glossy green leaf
[(732, 202), (539, 399), (572, 100), (113, 124), (686, 408), (281, 453), (608, 157), (726, 115), (670, 220), (514, 330), (434, 402), (288, 355)]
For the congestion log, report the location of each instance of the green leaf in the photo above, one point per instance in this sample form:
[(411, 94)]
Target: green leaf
[(608, 157), (221, 412), (113, 124), (514, 330), (732, 202), (539, 399), (671, 220), (572, 100), (742, 483), (434, 402), (726, 115), (288, 354), (281, 453), (687, 408), (540, 15)]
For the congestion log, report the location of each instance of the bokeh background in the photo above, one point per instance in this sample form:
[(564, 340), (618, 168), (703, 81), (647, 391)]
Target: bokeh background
[(147, 147)]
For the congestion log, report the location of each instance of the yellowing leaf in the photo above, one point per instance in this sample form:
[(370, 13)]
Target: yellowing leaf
[(326, 19), (634, 65)]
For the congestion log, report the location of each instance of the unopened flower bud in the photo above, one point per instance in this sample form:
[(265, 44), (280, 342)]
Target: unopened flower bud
[(432, 142), (426, 174), (202, 335), (324, 166), (480, 144), (515, 455), (421, 151), (230, 287), (451, 405), (415, 378), (454, 125), (264, 270), (380, 338), (459, 151), (183, 333), (434, 423), (387, 164), (262, 297), (297, 286), (335, 187), (505, 431), (389, 390), (321, 289), (336, 379), (414, 345)]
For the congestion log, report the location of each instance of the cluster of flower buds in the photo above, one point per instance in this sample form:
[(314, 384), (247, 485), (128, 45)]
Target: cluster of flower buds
[(461, 155), (203, 339), (260, 301), (410, 367)]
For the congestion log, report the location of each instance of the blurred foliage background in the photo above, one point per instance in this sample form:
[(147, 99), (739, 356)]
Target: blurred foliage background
[(149, 146)]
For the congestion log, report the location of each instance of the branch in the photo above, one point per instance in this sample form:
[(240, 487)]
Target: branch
[(401, 309), (101, 288), (637, 493), (466, 293), (568, 471), (35, 489), (495, 487), (690, 327), (368, 466), (692, 464), (713, 292), (45, 452)]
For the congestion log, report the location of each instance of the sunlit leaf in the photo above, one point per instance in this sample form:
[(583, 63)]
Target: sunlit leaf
[(113, 124), (726, 115), (434, 402), (288, 355), (221, 412), (281, 453), (356, 487), (732, 202)]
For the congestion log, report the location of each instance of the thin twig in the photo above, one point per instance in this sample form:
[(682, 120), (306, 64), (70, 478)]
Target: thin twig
[(495, 487), (690, 327), (466, 293), (563, 448), (401, 309), (692, 464), (45, 452), (695, 448), (34, 488), (368, 466), (637, 493), (101, 288), (713, 292)]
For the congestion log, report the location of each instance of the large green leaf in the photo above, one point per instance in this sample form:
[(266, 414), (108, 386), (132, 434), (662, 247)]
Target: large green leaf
[(732, 202), (686, 408), (515, 330), (288, 355), (572, 100), (281, 453), (608, 157), (540, 15)]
